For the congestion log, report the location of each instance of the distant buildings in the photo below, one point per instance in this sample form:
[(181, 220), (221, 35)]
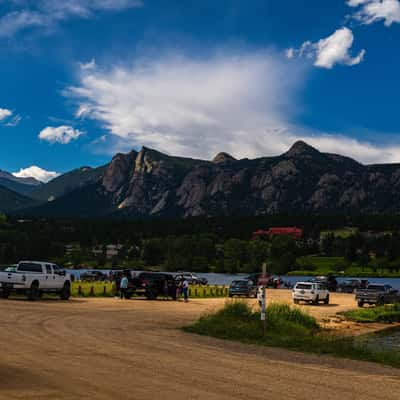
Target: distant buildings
[(109, 251), (293, 232)]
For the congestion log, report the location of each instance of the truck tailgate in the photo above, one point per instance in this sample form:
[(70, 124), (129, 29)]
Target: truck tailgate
[(11, 277)]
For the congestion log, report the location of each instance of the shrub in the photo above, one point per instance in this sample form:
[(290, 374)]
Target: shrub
[(388, 313), (287, 327)]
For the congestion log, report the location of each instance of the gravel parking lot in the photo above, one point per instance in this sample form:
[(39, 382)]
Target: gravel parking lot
[(106, 348)]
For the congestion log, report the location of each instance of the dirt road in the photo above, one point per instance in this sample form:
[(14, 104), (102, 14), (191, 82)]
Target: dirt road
[(113, 349)]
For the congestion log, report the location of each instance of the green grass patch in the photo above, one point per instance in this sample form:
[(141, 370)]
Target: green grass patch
[(320, 262), (287, 327), (388, 313), (343, 233)]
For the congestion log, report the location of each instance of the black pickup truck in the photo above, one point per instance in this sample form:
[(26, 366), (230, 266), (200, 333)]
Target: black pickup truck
[(377, 294)]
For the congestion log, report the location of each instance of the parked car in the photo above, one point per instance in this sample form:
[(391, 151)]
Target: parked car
[(377, 294), (151, 285), (329, 281), (310, 292), (352, 285), (94, 276), (243, 288), (191, 278), (33, 278)]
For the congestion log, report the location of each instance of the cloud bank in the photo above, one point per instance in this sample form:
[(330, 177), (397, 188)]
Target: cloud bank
[(36, 172), (243, 104)]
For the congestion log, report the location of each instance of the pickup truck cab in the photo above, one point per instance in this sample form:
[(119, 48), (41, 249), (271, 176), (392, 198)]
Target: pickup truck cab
[(33, 278), (310, 292), (377, 294)]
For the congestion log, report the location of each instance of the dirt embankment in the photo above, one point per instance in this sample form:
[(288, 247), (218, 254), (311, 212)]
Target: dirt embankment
[(107, 349)]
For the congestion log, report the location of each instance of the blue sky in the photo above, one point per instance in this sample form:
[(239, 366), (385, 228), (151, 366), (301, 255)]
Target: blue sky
[(83, 79)]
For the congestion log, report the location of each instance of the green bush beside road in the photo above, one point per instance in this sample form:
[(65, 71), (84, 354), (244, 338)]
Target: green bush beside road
[(287, 327), (385, 314)]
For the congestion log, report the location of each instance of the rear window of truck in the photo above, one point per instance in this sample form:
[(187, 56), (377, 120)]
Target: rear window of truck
[(29, 267)]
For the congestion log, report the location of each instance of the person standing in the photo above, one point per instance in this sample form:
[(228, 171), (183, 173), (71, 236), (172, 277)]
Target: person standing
[(166, 290), (185, 290), (123, 287)]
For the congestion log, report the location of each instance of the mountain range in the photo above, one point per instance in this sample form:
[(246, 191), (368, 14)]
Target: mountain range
[(148, 183)]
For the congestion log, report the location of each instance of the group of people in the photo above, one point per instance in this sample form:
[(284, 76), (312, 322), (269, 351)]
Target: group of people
[(182, 289)]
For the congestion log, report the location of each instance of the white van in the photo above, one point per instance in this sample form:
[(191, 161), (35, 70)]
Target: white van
[(310, 292)]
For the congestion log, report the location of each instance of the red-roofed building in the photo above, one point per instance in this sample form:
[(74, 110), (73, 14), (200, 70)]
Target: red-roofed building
[(293, 232)]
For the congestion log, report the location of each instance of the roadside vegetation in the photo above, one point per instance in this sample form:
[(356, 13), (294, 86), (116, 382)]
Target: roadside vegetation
[(287, 327), (388, 313), (222, 245)]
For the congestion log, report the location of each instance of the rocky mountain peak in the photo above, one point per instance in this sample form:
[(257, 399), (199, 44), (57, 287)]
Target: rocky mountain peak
[(120, 167), (301, 148), (145, 159), (222, 158)]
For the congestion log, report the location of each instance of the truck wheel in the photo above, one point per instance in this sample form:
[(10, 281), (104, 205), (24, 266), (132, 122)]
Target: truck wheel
[(326, 301), (5, 294), (380, 302), (296, 301), (65, 293), (316, 301), (33, 292), (360, 304)]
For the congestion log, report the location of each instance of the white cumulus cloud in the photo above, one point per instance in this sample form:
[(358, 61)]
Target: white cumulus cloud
[(243, 104), (5, 113), (332, 50), (370, 11), (36, 172), (61, 134), (190, 106)]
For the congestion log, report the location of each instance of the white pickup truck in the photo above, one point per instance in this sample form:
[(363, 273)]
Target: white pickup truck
[(33, 278)]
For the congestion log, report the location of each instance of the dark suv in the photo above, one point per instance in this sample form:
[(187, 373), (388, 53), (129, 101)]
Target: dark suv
[(243, 288), (151, 285)]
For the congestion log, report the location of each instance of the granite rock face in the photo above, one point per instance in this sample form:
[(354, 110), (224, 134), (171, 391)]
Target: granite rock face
[(302, 180)]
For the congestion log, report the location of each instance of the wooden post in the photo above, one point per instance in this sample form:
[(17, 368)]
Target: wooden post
[(264, 298)]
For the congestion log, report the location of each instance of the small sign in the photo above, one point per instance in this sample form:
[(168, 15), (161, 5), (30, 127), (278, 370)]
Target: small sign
[(263, 316)]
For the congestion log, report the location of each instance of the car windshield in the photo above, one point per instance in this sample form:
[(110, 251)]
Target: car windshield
[(239, 283), (306, 286)]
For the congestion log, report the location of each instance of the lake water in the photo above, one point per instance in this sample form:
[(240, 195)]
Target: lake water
[(226, 279), (386, 340)]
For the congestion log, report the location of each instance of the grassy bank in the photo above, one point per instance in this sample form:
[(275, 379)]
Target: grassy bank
[(323, 265), (384, 314), (287, 327)]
